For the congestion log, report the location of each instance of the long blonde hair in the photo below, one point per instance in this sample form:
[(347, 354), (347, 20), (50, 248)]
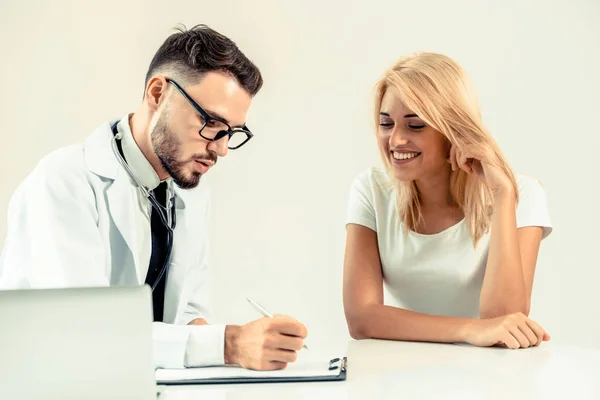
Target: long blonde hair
[(438, 90)]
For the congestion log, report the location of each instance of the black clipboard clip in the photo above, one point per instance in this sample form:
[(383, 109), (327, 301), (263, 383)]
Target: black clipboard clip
[(341, 364)]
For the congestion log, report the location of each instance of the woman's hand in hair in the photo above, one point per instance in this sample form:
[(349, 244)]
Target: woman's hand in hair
[(474, 160)]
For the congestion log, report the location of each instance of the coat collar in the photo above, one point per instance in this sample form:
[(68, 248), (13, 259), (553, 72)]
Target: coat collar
[(98, 154)]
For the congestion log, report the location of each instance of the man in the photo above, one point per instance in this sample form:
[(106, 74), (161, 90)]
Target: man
[(127, 206)]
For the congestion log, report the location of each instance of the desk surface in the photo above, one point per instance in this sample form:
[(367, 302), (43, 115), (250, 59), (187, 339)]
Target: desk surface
[(403, 370)]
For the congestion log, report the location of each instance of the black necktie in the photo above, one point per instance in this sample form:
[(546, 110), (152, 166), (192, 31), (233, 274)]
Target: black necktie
[(159, 253)]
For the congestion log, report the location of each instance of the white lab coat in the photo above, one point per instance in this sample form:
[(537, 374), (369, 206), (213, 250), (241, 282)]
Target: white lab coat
[(79, 220)]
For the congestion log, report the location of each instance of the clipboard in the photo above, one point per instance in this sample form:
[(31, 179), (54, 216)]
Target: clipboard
[(335, 370)]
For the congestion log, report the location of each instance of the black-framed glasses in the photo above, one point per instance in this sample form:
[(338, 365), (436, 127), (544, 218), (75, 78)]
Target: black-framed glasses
[(214, 128)]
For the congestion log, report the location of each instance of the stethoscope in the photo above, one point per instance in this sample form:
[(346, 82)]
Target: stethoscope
[(166, 214)]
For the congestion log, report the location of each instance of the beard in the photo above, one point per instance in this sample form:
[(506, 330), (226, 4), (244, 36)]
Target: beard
[(167, 147)]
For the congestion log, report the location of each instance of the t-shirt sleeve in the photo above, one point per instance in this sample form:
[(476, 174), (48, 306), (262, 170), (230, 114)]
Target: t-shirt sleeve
[(360, 205), (532, 209)]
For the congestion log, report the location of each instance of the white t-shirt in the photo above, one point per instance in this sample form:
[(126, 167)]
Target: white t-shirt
[(438, 274)]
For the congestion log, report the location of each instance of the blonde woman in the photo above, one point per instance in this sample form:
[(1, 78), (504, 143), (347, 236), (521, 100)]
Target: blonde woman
[(447, 227)]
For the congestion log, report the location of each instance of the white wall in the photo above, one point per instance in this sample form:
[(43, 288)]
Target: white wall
[(278, 233)]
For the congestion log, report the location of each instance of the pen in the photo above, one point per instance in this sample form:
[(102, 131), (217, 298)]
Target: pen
[(264, 312)]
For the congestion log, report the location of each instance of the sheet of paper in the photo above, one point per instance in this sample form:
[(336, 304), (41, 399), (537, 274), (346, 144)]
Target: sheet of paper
[(298, 369)]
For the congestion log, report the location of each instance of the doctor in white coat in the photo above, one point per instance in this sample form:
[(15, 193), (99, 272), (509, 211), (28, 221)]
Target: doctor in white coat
[(128, 206)]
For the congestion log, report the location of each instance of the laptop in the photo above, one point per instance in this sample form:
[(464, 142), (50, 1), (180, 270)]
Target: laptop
[(77, 343)]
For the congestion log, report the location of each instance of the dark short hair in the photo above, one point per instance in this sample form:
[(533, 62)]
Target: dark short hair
[(192, 53)]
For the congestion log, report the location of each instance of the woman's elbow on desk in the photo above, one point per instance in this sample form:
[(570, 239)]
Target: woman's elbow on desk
[(356, 331), (359, 324)]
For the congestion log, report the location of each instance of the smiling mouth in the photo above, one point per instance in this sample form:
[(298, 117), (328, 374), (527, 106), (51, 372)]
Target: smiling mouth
[(405, 155)]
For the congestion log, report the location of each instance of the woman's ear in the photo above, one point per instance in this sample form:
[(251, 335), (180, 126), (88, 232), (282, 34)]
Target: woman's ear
[(448, 149)]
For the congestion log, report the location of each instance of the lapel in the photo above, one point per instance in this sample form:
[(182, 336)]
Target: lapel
[(174, 292), (131, 220), (124, 206)]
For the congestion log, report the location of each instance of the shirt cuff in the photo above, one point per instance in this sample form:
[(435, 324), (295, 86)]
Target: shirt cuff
[(205, 346)]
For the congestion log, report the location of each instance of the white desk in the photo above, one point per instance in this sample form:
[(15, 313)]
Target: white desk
[(403, 370)]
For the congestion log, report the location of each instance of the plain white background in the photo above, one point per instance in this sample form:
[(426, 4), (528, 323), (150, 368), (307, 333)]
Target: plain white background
[(279, 203)]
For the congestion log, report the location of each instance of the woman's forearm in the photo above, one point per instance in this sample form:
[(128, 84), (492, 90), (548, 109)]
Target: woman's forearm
[(503, 291), (378, 321)]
